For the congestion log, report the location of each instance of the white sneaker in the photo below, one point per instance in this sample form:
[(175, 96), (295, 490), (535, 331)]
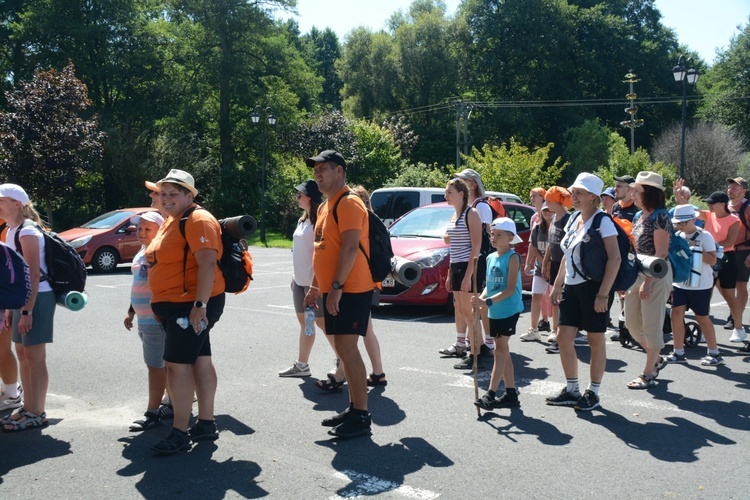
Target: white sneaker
[(738, 335), (531, 335), (296, 371), (7, 403), (552, 336)]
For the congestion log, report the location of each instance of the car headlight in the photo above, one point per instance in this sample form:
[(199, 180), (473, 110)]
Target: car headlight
[(433, 259), (79, 242)]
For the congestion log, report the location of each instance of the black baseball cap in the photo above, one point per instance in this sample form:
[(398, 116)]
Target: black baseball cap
[(627, 179), (310, 189), (717, 197), (326, 156)]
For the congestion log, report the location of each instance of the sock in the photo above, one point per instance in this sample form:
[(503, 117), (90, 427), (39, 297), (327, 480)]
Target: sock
[(10, 390), (301, 364), (461, 339), (491, 394), (573, 386), (205, 422), (489, 342), (679, 351), (714, 352), (594, 387)]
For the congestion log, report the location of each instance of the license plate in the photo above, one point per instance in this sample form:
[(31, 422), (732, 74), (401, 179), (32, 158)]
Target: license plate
[(389, 282)]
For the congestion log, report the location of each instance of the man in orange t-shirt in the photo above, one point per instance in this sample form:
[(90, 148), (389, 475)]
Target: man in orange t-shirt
[(343, 276)]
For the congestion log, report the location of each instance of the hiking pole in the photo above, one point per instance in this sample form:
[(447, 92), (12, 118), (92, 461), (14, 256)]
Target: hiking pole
[(477, 322)]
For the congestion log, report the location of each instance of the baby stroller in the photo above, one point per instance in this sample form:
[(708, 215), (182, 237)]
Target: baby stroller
[(692, 332)]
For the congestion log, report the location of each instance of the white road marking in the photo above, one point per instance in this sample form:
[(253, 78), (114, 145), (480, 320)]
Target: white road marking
[(367, 485)]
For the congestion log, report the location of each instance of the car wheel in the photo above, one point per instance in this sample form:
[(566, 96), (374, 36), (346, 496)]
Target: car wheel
[(105, 259)]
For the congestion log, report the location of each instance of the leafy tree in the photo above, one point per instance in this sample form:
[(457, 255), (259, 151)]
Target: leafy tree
[(587, 148), (378, 155), (324, 50), (621, 162), (420, 175), (45, 144)]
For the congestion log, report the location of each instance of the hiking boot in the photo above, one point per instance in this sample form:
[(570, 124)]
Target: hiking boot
[(587, 402), (676, 358), (553, 348), (356, 424), (531, 335), (204, 431), (729, 324), (507, 400), (543, 325), (337, 419), (456, 349), (296, 371), (712, 360), (565, 398), (738, 335), (177, 441), (486, 402), (467, 363)]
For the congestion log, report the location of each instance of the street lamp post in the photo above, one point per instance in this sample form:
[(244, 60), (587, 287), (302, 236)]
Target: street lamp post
[(688, 76), (270, 120)]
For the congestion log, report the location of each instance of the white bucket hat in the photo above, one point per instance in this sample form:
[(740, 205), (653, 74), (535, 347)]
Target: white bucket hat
[(588, 182), (506, 224), (683, 213), (14, 192), (470, 173)]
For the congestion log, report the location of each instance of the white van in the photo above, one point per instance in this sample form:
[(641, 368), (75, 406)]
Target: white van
[(391, 203)]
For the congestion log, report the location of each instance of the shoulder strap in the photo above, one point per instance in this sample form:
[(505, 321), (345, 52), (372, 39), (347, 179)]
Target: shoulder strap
[(336, 219), (183, 221), (17, 239)]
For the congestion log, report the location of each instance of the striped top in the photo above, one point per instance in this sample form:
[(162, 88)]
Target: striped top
[(140, 294), (460, 239)]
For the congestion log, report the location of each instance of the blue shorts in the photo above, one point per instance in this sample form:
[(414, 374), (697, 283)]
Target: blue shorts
[(699, 301)]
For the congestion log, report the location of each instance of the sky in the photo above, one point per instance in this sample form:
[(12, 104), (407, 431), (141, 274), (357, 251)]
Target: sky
[(702, 25)]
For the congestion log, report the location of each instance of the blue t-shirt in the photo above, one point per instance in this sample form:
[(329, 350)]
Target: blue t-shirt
[(497, 281)]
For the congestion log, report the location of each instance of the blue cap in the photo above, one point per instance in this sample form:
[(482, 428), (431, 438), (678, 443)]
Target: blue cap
[(610, 192)]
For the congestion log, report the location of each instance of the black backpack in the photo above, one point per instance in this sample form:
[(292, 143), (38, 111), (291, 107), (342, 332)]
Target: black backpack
[(66, 271), (235, 262), (594, 255), (15, 282), (381, 252)]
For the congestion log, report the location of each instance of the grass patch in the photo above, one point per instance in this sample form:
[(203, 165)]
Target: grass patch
[(273, 239)]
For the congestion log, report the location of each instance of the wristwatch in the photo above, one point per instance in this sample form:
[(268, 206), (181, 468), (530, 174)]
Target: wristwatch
[(199, 304), (336, 285), (489, 302), (24, 312)]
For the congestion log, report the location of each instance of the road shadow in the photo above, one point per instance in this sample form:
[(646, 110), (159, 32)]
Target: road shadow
[(517, 423), (677, 440), (732, 414), (373, 469), (384, 410), (30, 447), (193, 474)]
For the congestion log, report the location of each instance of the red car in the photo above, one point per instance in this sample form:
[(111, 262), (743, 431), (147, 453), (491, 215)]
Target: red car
[(108, 240), (418, 236)]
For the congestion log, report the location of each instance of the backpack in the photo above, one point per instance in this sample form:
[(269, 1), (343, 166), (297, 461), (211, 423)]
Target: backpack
[(381, 252), (680, 255), (15, 280), (235, 262), (594, 255), (66, 271), (741, 216)]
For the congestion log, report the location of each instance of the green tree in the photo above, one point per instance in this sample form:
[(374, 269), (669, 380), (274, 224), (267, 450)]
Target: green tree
[(587, 148), (420, 175), (324, 50), (621, 162)]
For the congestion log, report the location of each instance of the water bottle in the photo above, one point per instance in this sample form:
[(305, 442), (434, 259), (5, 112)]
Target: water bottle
[(309, 320), (719, 253), (184, 323), (696, 266)]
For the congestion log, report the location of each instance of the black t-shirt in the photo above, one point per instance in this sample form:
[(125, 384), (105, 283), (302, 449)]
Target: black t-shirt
[(556, 235), (624, 212)]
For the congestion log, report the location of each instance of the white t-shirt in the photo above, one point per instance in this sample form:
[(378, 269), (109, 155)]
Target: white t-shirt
[(302, 253), (485, 212), (574, 236), (707, 244), (10, 240)]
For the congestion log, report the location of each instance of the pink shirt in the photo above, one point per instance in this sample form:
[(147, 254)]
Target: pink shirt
[(719, 227)]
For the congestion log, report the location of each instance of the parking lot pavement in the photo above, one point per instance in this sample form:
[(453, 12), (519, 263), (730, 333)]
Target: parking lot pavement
[(685, 438)]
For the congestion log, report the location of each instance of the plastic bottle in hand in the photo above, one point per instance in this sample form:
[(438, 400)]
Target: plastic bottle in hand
[(309, 320)]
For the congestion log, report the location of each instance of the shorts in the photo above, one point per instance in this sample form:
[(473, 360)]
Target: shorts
[(152, 337), (577, 307), (728, 273), (554, 270), (458, 271), (183, 346), (42, 321), (699, 301), (539, 285), (298, 297), (353, 316), (505, 327), (743, 273), (375, 303)]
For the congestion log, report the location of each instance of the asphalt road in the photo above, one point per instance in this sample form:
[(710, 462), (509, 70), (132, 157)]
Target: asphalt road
[(686, 438)]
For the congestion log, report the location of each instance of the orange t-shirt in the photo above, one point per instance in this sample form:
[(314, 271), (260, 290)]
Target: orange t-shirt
[(4, 231), (352, 214), (166, 253)]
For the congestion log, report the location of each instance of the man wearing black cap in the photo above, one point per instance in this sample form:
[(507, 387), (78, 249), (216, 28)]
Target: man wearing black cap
[(342, 274), (738, 204), (625, 207)]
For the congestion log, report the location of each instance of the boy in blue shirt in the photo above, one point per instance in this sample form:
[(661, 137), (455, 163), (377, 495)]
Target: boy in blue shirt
[(505, 304)]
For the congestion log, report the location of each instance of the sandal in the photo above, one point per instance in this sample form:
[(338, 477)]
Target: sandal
[(8, 419), (660, 365), (642, 382), (152, 420), (374, 380), (330, 385), (28, 421)]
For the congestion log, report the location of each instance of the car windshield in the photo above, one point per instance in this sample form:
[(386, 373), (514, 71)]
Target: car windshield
[(108, 220), (423, 222)]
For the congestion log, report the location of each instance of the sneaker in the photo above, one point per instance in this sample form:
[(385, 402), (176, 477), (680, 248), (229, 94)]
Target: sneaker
[(565, 398), (296, 371), (355, 425), (204, 432), (176, 441), (337, 419), (729, 325), (675, 358), (553, 348), (487, 352), (745, 348), (7, 403), (543, 325), (615, 336), (552, 337), (581, 339), (467, 363), (166, 412), (507, 400), (531, 335), (712, 360), (738, 335), (456, 349), (486, 402), (587, 402)]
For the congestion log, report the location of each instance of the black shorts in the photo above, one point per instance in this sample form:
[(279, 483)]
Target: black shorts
[(699, 301), (458, 271), (728, 273), (505, 327), (743, 273), (353, 316), (577, 307), (554, 270), (183, 346)]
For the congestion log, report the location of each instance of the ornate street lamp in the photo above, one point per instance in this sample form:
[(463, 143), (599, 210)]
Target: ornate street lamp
[(270, 120), (688, 76)]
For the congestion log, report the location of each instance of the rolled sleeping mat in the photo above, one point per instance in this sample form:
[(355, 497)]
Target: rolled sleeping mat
[(653, 267), (406, 271), (239, 227), (75, 301)]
